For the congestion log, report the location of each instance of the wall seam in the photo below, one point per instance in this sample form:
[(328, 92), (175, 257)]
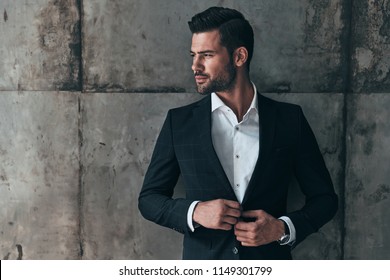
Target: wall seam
[(80, 137), (80, 182), (348, 75), (81, 68)]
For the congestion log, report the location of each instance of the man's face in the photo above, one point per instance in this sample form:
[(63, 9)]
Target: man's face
[(212, 65)]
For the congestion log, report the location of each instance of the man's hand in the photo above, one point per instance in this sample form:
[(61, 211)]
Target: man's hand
[(263, 230), (217, 214)]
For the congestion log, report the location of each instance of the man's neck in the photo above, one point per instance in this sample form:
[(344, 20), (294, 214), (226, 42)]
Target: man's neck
[(239, 98)]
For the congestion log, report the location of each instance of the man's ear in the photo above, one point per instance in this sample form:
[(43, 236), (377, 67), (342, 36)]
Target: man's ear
[(240, 56)]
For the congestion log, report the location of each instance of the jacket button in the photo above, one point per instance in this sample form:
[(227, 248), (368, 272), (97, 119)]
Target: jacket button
[(235, 250)]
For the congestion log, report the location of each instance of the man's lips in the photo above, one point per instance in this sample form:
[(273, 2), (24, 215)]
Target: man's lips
[(200, 78)]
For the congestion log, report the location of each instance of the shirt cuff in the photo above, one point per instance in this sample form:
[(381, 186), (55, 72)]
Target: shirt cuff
[(291, 228), (190, 213)]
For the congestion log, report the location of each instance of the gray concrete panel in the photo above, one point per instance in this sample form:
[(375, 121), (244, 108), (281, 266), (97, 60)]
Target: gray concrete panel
[(40, 45), (367, 197), (119, 133), (39, 172), (134, 46), (324, 113), (371, 46)]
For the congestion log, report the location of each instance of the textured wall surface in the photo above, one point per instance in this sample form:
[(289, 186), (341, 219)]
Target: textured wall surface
[(368, 188), (39, 216), (371, 46), (40, 45), (85, 86), (298, 45)]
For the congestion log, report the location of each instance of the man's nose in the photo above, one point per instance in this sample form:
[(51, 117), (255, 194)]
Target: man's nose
[(197, 64)]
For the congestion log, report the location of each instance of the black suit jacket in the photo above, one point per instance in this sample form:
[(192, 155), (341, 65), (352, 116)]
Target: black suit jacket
[(287, 148)]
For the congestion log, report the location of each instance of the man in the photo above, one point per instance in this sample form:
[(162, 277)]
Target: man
[(237, 152)]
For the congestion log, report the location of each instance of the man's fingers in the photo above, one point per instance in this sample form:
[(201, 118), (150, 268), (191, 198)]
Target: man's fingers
[(254, 214), (230, 220), (249, 244), (243, 226), (217, 214), (247, 238), (231, 209), (232, 212), (264, 230), (232, 204), (225, 226), (250, 214)]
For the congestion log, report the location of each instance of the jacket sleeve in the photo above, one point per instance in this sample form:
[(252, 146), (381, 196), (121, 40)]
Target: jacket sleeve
[(155, 201), (321, 202)]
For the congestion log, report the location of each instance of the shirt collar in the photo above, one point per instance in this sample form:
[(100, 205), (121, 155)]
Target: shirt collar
[(217, 103)]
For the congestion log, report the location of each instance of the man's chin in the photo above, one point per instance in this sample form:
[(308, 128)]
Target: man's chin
[(204, 93), (202, 90)]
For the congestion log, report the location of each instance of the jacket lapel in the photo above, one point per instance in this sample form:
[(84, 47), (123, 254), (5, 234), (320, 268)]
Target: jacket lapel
[(202, 115), (267, 130)]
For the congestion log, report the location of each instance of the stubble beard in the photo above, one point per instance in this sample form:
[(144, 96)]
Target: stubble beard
[(222, 83)]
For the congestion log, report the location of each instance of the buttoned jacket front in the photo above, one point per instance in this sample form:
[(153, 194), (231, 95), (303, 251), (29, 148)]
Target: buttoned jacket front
[(288, 149)]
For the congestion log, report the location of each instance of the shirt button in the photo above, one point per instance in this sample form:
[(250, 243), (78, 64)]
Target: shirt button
[(237, 128), (235, 250)]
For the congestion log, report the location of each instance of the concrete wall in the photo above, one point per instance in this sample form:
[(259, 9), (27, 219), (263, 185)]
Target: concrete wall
[(85, 86)]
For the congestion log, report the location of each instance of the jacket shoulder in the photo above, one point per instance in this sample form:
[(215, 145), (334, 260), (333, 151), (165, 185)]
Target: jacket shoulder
[(280, 106), (180, 116), (189, 107)]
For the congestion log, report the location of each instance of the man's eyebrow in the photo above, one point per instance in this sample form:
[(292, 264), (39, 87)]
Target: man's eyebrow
[(203, 52)]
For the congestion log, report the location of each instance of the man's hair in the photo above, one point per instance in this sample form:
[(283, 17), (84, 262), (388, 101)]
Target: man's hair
[(235, 31)]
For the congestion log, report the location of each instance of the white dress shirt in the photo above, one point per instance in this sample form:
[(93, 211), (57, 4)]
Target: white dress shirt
[(236, 143), (237, 147)]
